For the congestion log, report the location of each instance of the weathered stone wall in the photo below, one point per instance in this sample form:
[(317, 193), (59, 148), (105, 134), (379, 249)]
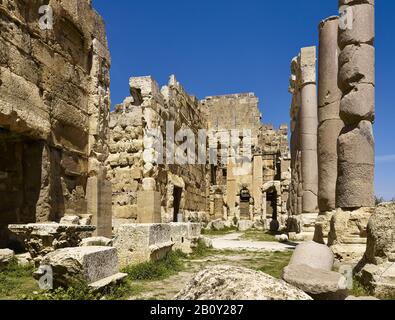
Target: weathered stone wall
[(178, 186), (54, 107), (269, 161)]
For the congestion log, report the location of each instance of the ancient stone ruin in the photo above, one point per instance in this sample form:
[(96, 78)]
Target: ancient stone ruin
[(87, 190), (54, 113)]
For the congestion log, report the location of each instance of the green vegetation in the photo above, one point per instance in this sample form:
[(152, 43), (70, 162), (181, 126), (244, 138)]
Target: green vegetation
[(273, 263), (358, 289), (255, 235), (222, 232), (158, 270), (201, 251), (15, 281)]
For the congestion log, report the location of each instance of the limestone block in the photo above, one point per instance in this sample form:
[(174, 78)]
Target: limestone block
[(357, 25), (185, 236), (149, 184), (355, 185), (244, 225), (149, 206), (356, 145), (358, 104), (314, 255), (88, 264), (319, 283), (138, 243), (307, 61), (380, 232), (348, 228), (234, 283), (356, 66), (6, 256)]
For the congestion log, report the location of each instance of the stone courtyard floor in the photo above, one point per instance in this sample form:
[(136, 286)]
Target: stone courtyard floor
[(230, 249)]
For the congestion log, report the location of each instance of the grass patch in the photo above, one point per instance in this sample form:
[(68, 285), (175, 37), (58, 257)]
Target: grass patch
[(255, 235), (158, 270), (82, 292), (273, 263), (201, 251), (358, 289), (222, 232), (16, 281)]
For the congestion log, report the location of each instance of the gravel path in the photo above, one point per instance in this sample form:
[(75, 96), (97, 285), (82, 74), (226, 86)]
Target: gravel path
[(232, 242)]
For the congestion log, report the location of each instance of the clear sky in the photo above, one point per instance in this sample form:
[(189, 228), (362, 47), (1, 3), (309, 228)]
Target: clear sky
[(226, 46)]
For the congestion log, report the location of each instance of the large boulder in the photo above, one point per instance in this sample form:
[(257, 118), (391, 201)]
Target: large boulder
[(235, 283), (6, 256), (376, 270), (381, 230), (70, 266), (319, 283), (314, 255)]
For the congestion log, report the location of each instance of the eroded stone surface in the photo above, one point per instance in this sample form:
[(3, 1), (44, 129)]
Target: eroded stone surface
[(234, 283)]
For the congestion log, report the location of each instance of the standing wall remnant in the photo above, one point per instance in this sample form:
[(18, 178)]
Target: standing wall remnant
[(54, 107)]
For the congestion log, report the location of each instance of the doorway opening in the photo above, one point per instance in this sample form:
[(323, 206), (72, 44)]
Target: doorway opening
[(177, 195), (20, 181), (245, 198), (271, 204)]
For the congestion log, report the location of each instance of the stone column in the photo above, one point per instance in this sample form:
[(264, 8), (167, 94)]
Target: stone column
[(308, 128), (330, 124), (355, 183), (257, 182)]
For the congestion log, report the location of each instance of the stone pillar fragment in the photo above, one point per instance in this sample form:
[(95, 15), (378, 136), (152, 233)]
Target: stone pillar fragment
[(330, 124), (355, 184)]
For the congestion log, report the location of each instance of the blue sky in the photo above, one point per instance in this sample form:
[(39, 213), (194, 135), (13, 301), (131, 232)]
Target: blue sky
[(226, 46)]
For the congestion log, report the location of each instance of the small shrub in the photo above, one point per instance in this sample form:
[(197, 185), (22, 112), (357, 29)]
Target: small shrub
[(359, 290)]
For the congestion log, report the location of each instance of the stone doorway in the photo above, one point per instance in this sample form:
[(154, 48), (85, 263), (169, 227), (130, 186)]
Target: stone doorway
[(20, 180), (245, 198), (177, 196), (271, 204)]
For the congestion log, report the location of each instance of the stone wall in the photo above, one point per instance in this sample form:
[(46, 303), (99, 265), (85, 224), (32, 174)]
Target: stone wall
[(54, 107), (233, 183), (134, 160)]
